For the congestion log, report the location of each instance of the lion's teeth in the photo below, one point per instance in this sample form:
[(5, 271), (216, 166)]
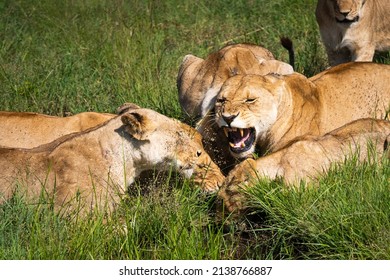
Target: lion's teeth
[(231, 144), (242, 132), (242, 145), (225, 130)]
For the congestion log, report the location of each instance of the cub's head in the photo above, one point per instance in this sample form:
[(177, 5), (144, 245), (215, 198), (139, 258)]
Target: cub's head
[(246, 108), (167, 143), (199, 80), (346, 11)]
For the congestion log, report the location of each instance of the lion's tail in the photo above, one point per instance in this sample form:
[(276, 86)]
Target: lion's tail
[(288, 45)]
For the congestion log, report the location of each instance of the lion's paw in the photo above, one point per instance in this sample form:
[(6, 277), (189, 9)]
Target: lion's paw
[(233, 191)]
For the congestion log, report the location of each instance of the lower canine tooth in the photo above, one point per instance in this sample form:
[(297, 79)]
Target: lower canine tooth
[(242, 145), (231, 144)]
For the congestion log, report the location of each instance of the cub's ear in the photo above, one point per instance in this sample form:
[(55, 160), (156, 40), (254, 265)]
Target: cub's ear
[(126, 107), (278, 67), (138, 125)]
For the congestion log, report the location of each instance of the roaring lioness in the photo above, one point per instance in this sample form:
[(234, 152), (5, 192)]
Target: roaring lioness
[(97, 165), (352, 30), (29, 130), (307, 157), (264, 113), (199, 80)]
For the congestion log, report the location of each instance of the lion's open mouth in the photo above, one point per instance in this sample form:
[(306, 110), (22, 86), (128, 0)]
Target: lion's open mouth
[(240, 139)]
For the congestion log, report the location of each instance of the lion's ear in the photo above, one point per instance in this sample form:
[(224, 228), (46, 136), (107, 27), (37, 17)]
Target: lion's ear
[(138, 125), (188, 71), (278, 67), (126, 107)]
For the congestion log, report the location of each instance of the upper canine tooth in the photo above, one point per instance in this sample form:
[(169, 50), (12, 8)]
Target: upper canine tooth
[(242, 132), (225, 130)]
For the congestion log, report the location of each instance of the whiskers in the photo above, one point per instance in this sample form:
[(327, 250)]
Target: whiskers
[(207, 121)]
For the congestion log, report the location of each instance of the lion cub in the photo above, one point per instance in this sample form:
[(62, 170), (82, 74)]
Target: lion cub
[(96, 166), (307, 157), (352, 30)]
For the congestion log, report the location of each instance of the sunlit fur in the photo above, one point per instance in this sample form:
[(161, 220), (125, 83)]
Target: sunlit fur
[(307, 157), (352, 30), (28, 130), (284, 107), (96, 166), (199, 80)]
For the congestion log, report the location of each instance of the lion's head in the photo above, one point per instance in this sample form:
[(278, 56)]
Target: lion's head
[(199, 80), (347, 10), (246, 108), (171, 143)]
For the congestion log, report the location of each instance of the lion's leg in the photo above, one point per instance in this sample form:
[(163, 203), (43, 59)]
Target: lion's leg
[(365, 53), (338, 56), (232, 193)]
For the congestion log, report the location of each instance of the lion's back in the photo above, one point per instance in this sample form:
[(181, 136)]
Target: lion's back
[(28, 130)]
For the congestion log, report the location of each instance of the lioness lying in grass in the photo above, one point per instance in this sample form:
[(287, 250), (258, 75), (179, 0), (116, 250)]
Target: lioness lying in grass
[(96, 166), (307, 157)]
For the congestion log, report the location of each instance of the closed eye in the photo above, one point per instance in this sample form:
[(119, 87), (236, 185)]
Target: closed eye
[(221, 100), (250, 100)]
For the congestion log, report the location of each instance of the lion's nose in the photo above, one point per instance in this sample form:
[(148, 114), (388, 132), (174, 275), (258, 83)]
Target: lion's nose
[(229, 119)]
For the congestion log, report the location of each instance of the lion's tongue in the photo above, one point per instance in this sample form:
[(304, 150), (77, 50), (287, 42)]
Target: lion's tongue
[(235, 138)]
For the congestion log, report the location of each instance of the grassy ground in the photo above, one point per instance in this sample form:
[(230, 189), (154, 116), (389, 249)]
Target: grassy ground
[(65, 57)]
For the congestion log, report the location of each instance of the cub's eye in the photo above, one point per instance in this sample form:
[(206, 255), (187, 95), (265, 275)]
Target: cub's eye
[(250, 100), (198, 153)]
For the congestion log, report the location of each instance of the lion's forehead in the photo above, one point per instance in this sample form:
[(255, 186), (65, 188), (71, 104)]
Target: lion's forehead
[(240, 84), (187, 133), (172, 133), (241, 92)]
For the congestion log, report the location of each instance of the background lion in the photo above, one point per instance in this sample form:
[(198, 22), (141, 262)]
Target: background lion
[(96, 166), (199, 80), (264, 113), (307, 157), (352, 30)]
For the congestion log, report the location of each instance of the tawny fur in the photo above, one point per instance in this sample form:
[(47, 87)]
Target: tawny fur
[(29, 130), (352, 30), (281, 108), (307, 157), (199, 80), (96, 166)]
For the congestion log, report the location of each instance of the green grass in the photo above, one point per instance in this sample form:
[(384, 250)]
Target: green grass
[(64, 57), (343, 216)]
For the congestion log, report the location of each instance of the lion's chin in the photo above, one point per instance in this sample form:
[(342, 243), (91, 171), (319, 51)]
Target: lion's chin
[(241, 141), (243, 155)]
